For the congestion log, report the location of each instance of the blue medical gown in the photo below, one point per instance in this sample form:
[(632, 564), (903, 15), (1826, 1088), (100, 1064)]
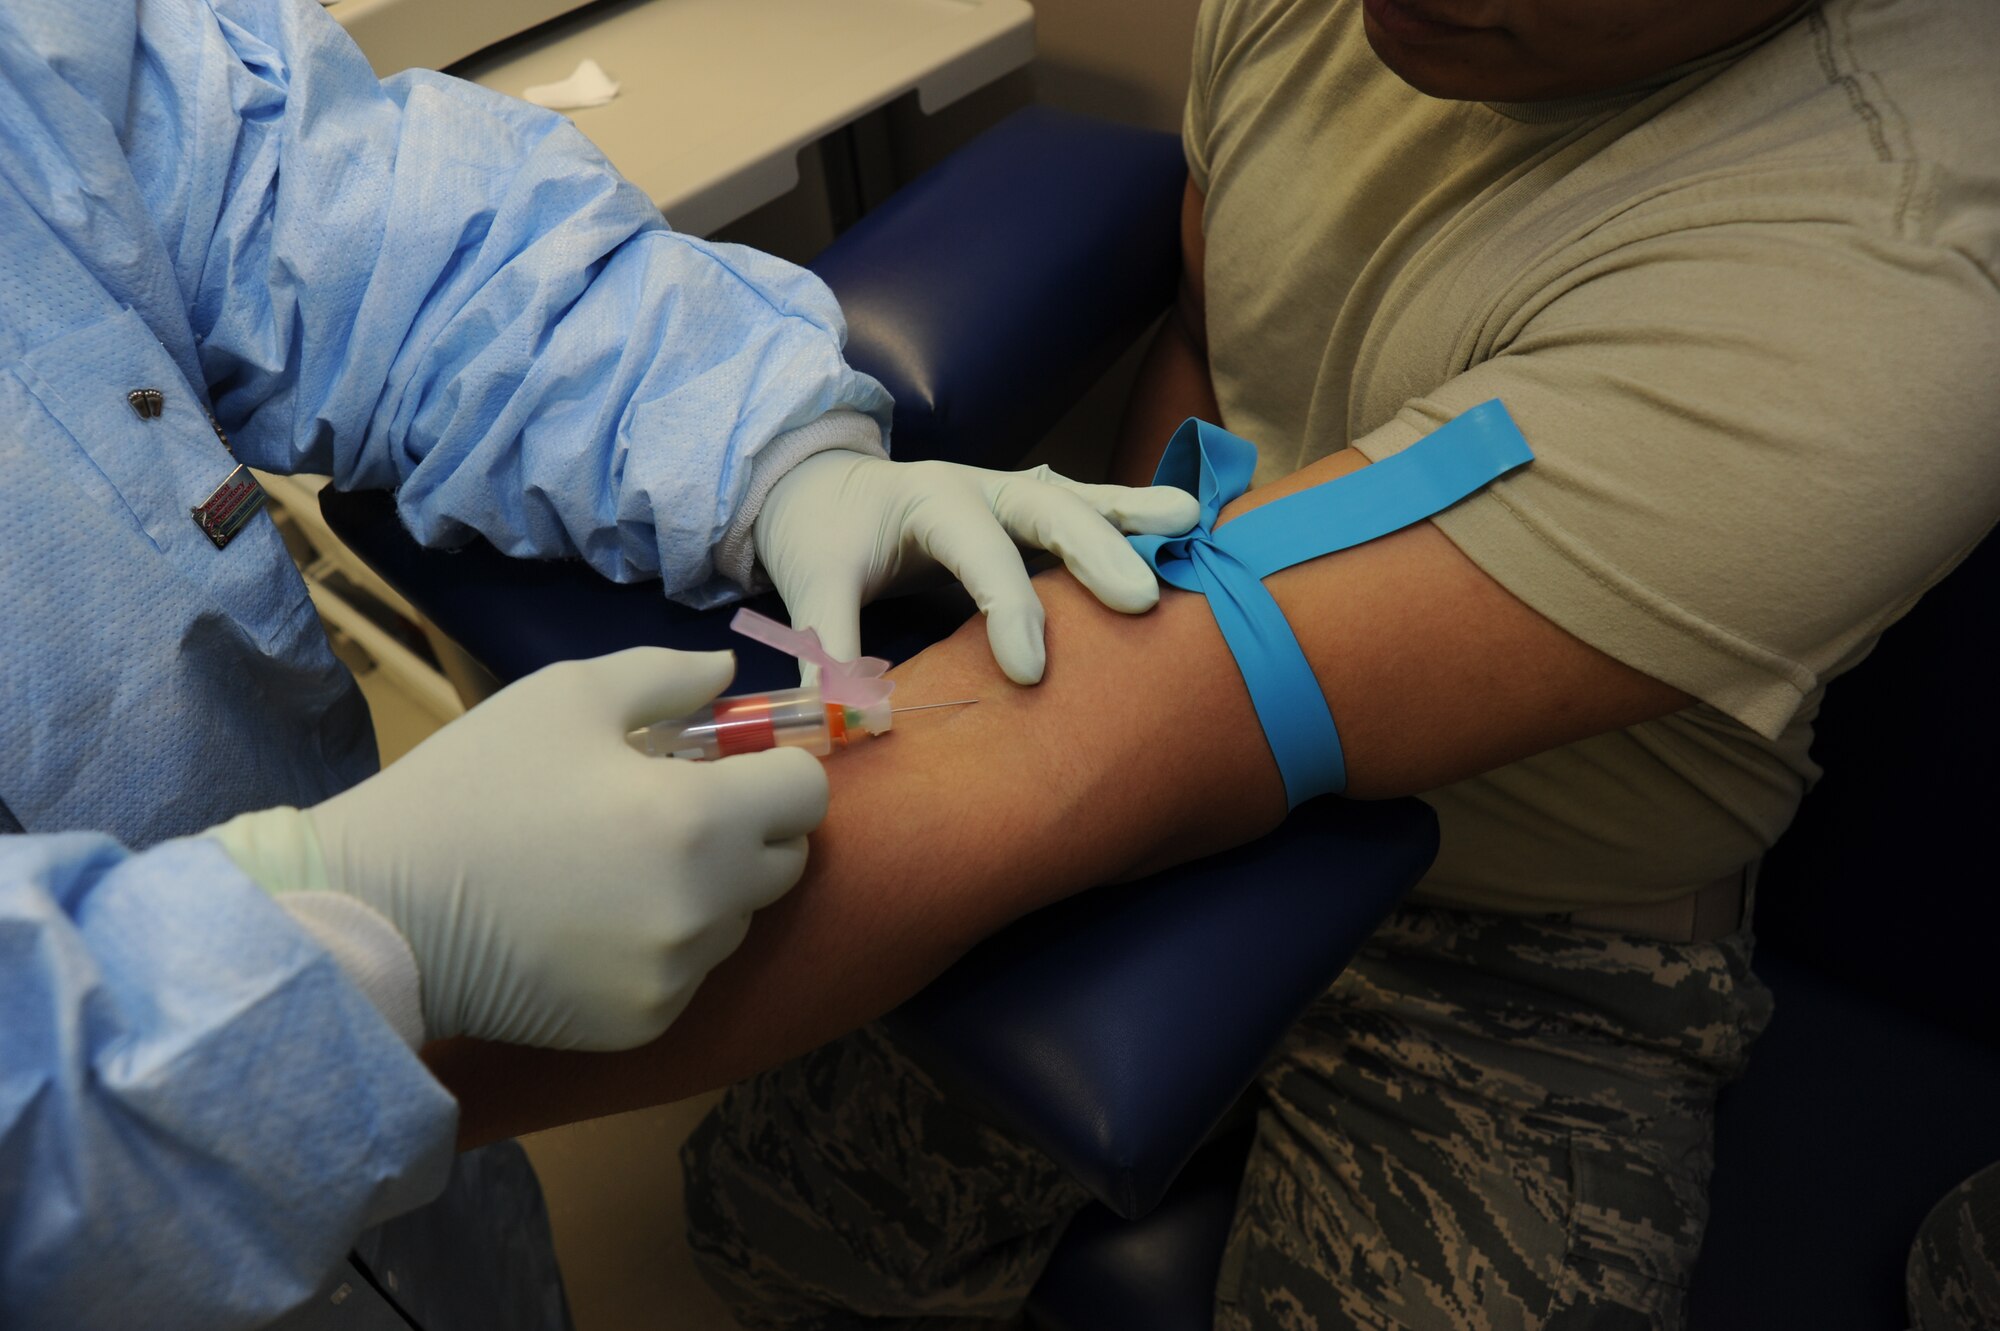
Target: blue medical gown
[(200, 1111), (410, 284)]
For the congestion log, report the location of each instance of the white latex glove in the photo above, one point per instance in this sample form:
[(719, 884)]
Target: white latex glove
[(557, 887), (842, 528)]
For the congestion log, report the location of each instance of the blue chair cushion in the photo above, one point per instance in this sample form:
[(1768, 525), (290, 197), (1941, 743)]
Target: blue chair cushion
[(1157, 1273), (1117, 1028), (991, 291)]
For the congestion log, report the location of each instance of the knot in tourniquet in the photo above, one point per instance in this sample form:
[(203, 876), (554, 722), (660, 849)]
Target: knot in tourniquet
[(1229, 565)]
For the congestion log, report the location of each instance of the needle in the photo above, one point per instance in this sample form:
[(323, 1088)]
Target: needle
[(925, 707)]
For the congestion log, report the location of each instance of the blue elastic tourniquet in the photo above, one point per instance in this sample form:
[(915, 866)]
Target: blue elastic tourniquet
[(1229, 566)]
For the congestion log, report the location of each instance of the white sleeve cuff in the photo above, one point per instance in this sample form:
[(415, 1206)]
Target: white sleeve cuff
[(736, 554), (369, 950)]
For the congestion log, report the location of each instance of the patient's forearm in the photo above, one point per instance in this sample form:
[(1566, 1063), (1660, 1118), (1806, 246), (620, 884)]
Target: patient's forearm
[(939, 834), (1139, 749)]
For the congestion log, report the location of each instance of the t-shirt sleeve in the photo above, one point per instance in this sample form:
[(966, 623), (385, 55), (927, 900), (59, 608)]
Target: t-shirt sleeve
[(1756, 444)]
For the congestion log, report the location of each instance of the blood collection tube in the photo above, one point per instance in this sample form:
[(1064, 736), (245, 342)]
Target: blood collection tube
[(751, 722)]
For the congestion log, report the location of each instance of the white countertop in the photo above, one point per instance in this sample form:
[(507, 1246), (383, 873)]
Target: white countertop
[(718, 96)]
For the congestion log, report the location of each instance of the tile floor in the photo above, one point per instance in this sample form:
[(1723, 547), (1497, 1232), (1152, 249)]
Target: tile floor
[(613, 1186)]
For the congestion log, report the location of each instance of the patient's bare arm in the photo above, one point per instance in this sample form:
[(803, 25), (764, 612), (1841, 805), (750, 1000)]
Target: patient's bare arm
[(937, 835), (1138, 750)]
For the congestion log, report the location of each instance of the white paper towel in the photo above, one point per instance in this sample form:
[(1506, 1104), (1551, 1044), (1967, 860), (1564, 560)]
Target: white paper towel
[(588, 86)]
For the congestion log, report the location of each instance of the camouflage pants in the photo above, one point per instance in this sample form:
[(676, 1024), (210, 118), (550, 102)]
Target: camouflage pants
[(1485, 1123), (1954, 1271)]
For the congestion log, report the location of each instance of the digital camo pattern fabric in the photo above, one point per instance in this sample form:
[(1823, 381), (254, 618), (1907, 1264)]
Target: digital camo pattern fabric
[(844, 1189), (1492, 1123), (1487, 1123), (1954, 1271)]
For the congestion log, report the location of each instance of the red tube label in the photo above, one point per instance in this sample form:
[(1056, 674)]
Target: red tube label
[(743, 725)]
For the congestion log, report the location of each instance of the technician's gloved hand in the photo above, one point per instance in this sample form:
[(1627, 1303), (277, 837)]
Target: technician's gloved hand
[(842, 528), (557, 887)]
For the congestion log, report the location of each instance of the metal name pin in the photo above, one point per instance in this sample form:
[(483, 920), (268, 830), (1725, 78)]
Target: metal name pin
[(232, 503), (147, 402)]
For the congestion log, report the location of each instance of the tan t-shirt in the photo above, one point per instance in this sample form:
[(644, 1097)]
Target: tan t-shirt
[(1747, 316)]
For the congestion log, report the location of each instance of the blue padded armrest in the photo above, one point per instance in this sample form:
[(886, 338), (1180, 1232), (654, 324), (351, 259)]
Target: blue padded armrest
[(1117, 1028), (1153, 1274), (988, 294)]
